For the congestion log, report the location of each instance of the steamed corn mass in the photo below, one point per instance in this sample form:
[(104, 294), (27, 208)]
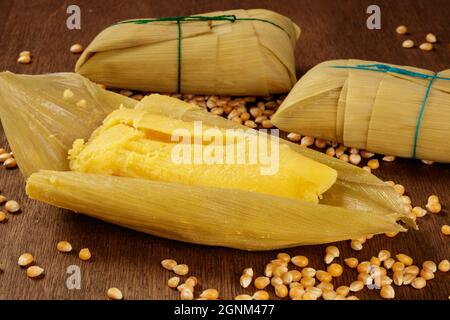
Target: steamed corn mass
[(136, 143)]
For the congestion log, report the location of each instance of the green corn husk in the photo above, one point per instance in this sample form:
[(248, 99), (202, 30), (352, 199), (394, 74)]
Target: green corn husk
[(357, 204)]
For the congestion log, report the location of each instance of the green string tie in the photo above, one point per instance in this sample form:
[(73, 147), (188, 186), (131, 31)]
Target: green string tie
[(387, 68), (179, 19)]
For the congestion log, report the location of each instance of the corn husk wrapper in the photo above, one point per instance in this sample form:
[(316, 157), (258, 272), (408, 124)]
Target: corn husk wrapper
[(370, 110), (220, 57), (358, 204)]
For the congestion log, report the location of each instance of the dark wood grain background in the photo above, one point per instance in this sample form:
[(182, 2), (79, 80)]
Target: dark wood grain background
[(130, 260)]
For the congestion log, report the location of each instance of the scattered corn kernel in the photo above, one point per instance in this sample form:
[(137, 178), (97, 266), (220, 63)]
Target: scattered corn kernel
[(356, 286), (181, 269), (25, 259), (284, 257), (434, 207), (408, 44), (248, 271), (419, 283), (445, 229), (308, 272), (173, 282), (431, 38), (400, 189), (308, 282), (351, 262), (363, 267), (12, 206), (408, 278), (245, 280), (323, 276), (433, 199), (320, 143), (34, 271), (261, 282), (64, 246), (401, 29), (281, 291), (294, 137), (307, 141), (300, 261), (419, 212), (10, 163), (391, 234), (343, 291), (84, 254), (296, 275), (3, 216), (444, 265), (375, 261), (210, 294), (426, 274), (114, 294), (168, 264), (76, 48), (191, 281), (387, 292), (243, 297), (296, 292), (335, 270), (426, 46), (389, 158), (405, 259), (186, 294), (24, 59), (261, 295), (384, 255), (287, 277), (398, 266), (373, 164), (356, 245), (388, 263), (398, 278), (276, 281), (412, 270), (429, 265)]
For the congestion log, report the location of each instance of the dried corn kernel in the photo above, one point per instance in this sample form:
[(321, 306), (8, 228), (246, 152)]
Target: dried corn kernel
[(281, 291), (114, 294), (261, 295), (34, 271), (444, 265), (429, 265), (323, 276), (261, 282), (335, 270), (84, 254), (173, 282), (356, 286), (387, 292), (418, 283), (351, 262), (210, 294), (25, 259), (181, 269), (245, 280), (64, 246), (12, 206), (168, 264), (300, 261), (405, 259)]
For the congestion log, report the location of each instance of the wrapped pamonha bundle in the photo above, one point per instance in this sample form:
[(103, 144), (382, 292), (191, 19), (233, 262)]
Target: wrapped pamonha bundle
[(236, 52), (121, 175), (383, 108)]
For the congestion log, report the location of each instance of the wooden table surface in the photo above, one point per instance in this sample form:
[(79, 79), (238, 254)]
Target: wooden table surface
[(130, 260)]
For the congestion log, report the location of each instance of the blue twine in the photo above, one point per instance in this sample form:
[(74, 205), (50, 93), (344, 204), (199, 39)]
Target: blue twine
[(378, 67)]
